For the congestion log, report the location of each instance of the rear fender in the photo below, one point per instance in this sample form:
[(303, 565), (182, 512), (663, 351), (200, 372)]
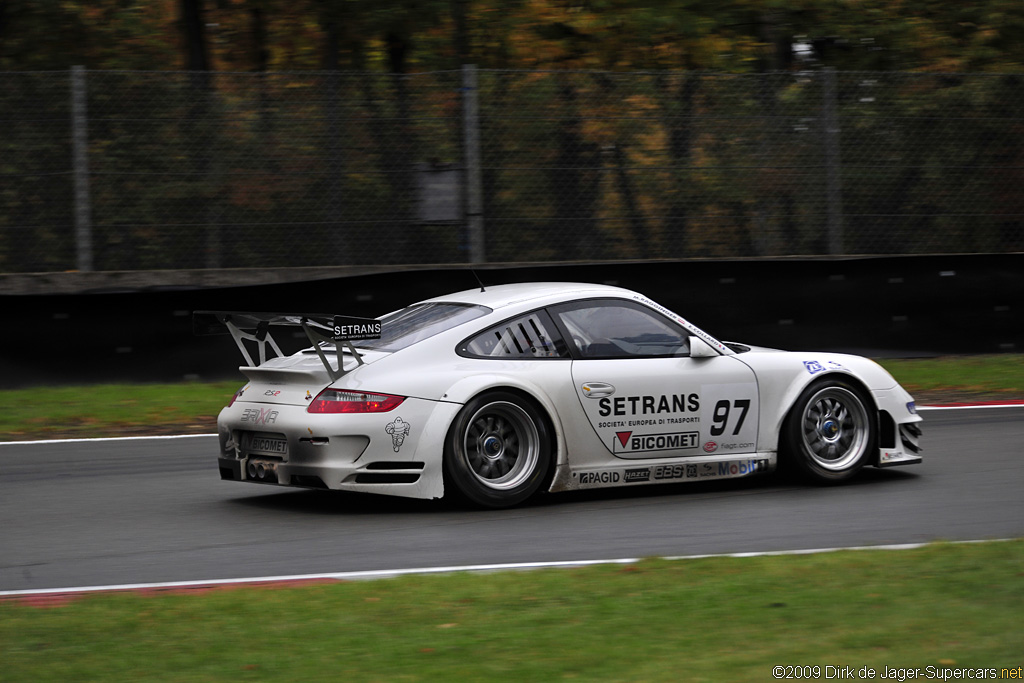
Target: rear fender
[(465, 389)]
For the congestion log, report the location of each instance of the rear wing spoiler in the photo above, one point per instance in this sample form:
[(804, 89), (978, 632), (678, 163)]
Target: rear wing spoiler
[(319, 328)]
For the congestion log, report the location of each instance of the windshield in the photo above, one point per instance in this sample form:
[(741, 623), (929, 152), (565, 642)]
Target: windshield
[(415, 323)]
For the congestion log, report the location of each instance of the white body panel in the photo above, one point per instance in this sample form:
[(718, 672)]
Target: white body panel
[(614, 421)]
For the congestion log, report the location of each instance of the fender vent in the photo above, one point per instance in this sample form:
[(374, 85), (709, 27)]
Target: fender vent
[(886, 430), (390, 465), (910, 435), (387, 478)]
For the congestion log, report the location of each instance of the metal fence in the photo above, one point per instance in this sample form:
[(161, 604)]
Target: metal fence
[(105, 170)]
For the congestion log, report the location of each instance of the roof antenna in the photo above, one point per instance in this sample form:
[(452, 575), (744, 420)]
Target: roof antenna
[(478, 280)]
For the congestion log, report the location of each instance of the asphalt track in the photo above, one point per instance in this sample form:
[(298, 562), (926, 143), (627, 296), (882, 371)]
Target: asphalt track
[(97, 513)]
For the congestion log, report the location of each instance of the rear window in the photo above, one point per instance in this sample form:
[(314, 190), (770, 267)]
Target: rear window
[(421, 321), (527, 337)]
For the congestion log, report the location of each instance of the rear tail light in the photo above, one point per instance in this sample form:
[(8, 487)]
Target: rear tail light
[(237, 394), (338, 401)]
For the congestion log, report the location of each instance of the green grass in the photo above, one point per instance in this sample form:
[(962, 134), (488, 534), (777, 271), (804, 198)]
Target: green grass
[(129, 409), (714, 619), (112, 409), (990, 374)]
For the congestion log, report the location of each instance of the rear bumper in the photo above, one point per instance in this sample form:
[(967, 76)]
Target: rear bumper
[(397, 453), (257, 470)]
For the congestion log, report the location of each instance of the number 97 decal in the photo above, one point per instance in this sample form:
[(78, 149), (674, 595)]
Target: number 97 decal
[(729, 415)]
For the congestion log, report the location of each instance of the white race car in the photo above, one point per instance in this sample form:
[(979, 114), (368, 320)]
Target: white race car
[(495, 395)]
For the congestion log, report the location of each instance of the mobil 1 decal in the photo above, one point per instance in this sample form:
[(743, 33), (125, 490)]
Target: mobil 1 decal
[(729, 418)]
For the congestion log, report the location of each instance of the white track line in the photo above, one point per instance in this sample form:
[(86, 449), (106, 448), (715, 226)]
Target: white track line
[(108, 438), (478, 568), (973, 407)]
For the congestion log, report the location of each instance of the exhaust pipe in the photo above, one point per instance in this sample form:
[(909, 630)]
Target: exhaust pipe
[(261, 471)]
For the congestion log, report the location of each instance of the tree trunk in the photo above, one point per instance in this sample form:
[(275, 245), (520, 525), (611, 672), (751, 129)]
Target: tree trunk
[(574, 188), (678, 112)]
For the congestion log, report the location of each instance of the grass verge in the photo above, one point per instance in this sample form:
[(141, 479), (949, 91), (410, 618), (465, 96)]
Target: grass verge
[(944, 606), (113, 410), (191, 408), (989, 376)]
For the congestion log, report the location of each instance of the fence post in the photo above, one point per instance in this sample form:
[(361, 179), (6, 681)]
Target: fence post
[(474, 188), (833, 179), (80, 161)]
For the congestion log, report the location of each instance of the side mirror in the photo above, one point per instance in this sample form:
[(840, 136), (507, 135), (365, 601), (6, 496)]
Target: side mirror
[(701, 349)]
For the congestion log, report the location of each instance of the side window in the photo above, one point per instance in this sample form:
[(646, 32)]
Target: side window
[(621, 329), (526, 337)]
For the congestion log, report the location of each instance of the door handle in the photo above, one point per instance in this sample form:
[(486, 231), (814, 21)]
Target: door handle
[(597, 389)]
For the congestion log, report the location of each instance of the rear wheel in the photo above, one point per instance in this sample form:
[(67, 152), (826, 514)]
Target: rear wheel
[(498, 450), (830, 432)]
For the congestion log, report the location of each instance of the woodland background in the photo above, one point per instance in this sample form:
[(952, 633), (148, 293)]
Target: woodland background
[(266, 133)]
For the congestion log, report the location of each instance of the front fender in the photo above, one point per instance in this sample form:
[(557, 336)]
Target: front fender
[(781, 377)]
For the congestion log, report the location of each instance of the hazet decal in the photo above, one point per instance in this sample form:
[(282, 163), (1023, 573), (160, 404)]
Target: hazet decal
[(639, 474)]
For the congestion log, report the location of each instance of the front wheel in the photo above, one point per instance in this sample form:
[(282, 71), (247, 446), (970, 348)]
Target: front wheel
[(498, 450), (830, 432)]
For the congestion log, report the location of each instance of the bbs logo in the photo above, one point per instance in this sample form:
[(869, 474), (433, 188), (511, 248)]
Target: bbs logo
[(670, 471)]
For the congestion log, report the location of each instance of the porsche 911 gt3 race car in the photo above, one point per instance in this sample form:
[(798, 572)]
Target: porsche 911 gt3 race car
[(495, 395)]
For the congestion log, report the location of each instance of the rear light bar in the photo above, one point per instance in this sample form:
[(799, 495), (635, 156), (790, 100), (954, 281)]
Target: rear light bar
[(340, 401), (237, 394)]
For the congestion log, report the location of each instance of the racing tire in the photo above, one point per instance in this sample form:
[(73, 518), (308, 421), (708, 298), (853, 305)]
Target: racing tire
[(498, 450), (830, 432)]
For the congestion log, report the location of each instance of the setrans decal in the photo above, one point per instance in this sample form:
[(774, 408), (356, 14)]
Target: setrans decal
[(348, 328), (622, 406), (676, 472), (716, 417)]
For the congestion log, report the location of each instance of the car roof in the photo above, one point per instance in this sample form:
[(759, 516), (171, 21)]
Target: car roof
[(535, 293)]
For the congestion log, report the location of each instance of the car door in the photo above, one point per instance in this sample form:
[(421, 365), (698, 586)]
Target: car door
[(643, 394)]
